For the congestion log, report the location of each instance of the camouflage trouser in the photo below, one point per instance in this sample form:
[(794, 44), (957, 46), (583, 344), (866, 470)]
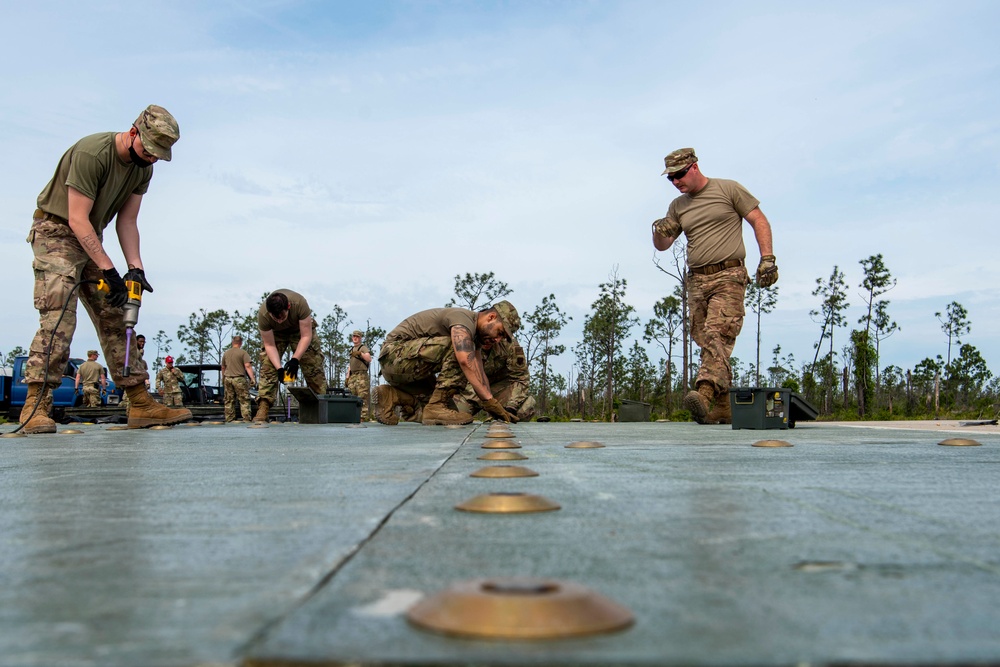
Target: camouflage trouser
[(503, 391), (173, 399), (60, 263), (311, 366), (91, 396), (360, 385), (233, 390), (717, 310), (420, 366)]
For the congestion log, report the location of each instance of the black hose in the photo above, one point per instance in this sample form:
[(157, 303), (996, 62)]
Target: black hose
[(48, 353)]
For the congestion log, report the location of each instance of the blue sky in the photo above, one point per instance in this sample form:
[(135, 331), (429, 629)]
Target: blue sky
[(365, 153)]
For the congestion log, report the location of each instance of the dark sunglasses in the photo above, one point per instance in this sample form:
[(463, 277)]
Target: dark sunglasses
[(677, 175)]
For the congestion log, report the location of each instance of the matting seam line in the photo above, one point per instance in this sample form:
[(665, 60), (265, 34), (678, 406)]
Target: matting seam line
[(986, 567), (257, 637)]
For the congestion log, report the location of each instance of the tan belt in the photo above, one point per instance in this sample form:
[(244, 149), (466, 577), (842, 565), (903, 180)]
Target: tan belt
[(710, 269), (42, 215)]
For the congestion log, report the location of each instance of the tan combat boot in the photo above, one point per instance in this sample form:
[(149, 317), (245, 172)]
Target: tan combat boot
[(440, 410), (699, 403), (385, 405), (147, 412), (263, 410), (722, 413), (40, 422)]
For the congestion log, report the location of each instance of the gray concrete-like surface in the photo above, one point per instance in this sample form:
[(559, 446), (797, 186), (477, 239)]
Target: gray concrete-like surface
[(306, 544)]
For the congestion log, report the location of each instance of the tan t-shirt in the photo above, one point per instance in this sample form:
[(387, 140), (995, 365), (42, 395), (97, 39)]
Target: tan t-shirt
[(359, 365), (712, 220), (433, 322), (90, 372), (298, 309), (233, 360), (92, 166)]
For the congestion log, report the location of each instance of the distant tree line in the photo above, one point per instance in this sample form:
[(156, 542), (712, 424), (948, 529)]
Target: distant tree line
[(843, 378)]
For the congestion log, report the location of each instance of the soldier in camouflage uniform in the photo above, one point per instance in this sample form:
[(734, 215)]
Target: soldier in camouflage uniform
[(236, 368), (100, 178), (91, 376), (710, 212), (285, 321), (507, 370), (168, 384), (432, 355), (358, 380)]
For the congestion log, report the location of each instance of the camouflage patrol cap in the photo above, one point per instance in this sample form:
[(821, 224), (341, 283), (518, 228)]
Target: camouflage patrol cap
[(357, 332), (91, 353), (679, 159), (158, 131), (508, 315)]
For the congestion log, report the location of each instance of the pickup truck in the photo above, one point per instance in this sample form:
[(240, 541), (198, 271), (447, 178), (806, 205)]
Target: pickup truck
[(14, 389)]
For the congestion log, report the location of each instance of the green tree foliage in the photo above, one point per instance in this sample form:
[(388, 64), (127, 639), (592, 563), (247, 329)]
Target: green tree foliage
[(206, 336), (332, 333), (966, 376), (862, 363), (605, 329), (877, 281), (954, 324), (760, 301), (543, 326), (8, 359), (162, 342), (477, 291), (833, 294), (667, 322), (639, 374)]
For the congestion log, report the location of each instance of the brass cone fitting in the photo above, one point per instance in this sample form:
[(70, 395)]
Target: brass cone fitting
[(501, 444), (503, 455), (504, 471), (70, 431), (960, 442), (507, 503), (499, 434), (519, 608), (772, 443), (584, 444)]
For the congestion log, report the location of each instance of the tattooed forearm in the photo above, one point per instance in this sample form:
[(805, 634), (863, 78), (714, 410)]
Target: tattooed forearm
[(461, 338)]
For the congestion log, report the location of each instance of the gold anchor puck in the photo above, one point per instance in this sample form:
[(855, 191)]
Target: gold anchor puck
[(501, 444), (504, 471), (772, 443), (507, 503), (584, 444), (960, 442), (503, 455), (518, 608)]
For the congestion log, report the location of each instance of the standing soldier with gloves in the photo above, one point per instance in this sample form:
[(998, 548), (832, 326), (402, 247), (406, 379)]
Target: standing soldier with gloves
[(710, 212), (168, 384), (100, 178), (285, 321), (435, 353), (358, 380)]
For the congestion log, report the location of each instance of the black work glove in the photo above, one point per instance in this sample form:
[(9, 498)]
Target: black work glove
[(118, 294), (139, 276), (292, 368)]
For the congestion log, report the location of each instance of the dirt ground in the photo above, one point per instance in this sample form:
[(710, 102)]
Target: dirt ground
[(943, 425)]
